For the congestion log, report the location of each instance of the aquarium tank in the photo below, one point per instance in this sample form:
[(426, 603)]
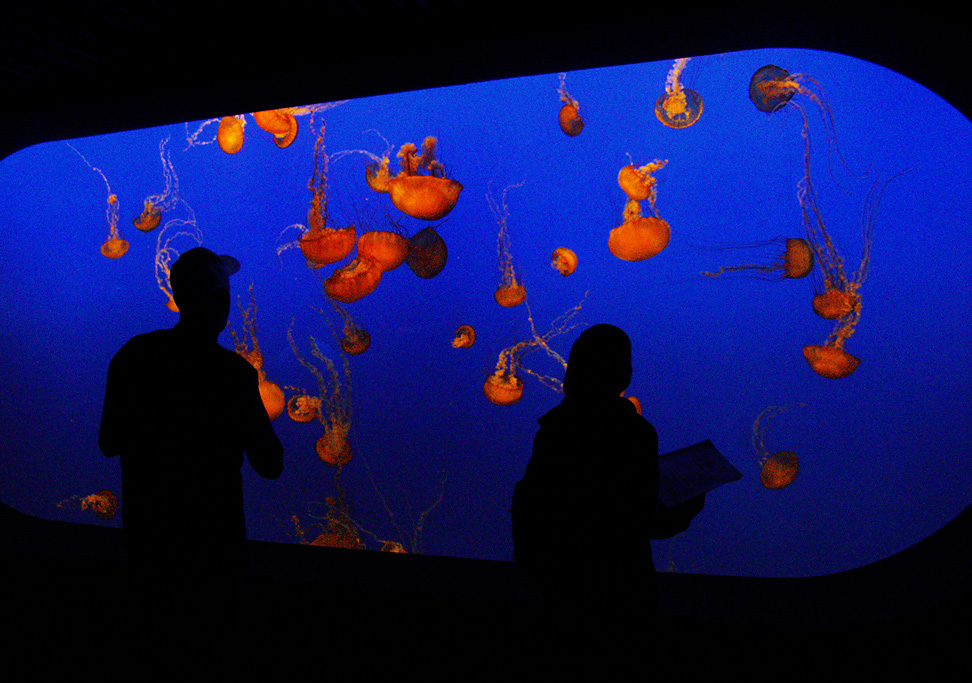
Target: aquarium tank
[(781, 232)]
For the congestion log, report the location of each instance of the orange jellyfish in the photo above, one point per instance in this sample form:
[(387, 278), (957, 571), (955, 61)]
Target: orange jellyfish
[(155, 204), (104, 503), (426, 197), (678, 107), (639, 237), (505, 387), (353, 281), (182, 229), (509, 291), (778, 470), (564, 261), (427, 253), (335, 406), (229, 136), (340, 531), (301, 407), (271, 393), (321, 243), (785, 258), (464, 338), (354, 339), (385, 248), (569, 118), (280, 123), (114, 247)]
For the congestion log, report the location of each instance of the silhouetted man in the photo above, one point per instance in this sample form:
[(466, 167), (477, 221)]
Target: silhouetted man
[(587, 507), (180, 411)]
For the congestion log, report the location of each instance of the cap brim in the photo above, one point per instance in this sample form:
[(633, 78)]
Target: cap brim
[(231, 264)]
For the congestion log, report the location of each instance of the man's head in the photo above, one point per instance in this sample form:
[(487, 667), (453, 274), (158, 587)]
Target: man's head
[(200, 286), (599, 365)]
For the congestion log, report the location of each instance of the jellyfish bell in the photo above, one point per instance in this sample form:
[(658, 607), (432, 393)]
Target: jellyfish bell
[(427, 198), (564, 261), (780, 470), (333, 448), (503, 389), (510, 295), (392, 547), (464, 338), (114, 248), (303, 408), (387, 249), (768, 262), (679, 109), (285, 140), (831, 362), (325, 245), (104, 504), (229, 135), (149, 219), (771, 88), (570, 120), (834, 304), (798, 258), (427, 253), (354, 281), (377, 176), (639, 237), (355, 341), (273, 397), (171, 305), (274, 121), (632, 182)]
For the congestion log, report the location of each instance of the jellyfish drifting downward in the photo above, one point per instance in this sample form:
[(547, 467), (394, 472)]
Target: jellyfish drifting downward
[(678, 107), (333, 406), (425, 197), (272, 395), (114, 247), (639, 237), (322, 244), (155, 204), (505, 387), (229, 135), (778, 470), (509, 291), (569, 117)]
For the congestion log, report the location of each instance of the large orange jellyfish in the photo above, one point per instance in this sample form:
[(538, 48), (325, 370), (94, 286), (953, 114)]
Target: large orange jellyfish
[(426, 197), (509, 291), (182, 229), (114, 247), (778, 470), (155, 204), (322, 244), (385, 248), (230, 135), (678, 107), (505, 387), (427, 253), (104, 503), (248, 346), (281, 123), (335, 406), (639, 237), (353, 281), (776, 259), (569, 118)]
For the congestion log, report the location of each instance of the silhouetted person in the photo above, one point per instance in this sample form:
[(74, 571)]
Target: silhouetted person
[(180, 411), (587, 507)]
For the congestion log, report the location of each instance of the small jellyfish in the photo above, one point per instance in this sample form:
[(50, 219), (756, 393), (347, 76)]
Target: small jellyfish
[(778, 470), (271, 393), (354, 339), (504, 387), (278, 122), (181, 229), (335, 406), (166, 200), (104, 503), (427, 253), (569, 118), (425, 197), (385, 248), (340, 531), (114, 247), (785, 258), (229, 137), (509, 290), (464, 338), (564, 261), (678, 107), (353, 281), (320, 243), (301, 407)]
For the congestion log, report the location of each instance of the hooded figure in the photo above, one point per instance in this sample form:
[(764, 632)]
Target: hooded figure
[(587, 506)]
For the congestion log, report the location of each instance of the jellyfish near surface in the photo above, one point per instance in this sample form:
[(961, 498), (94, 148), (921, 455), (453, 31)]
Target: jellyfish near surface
[(280, 123), (569, 116), (229, 135), (678, 107), (777, 470)]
